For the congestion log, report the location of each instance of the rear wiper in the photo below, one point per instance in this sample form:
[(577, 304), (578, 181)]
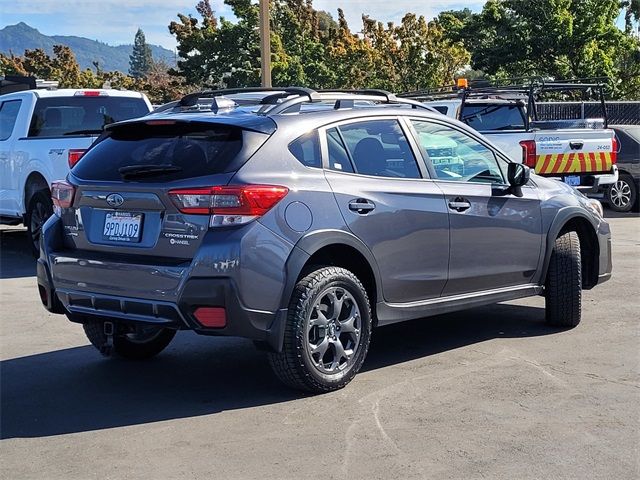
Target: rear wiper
[(84, 132), (133, 171)]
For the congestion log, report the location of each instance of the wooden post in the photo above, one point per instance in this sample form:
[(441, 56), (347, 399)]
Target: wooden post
[(265, 44)]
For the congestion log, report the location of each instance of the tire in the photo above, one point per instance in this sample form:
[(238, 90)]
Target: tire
[(329, 316), (563, 286), (40, 208), (134, 345), (622, 195)]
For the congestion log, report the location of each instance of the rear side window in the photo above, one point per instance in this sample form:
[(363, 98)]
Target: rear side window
[(493, 117), (8, 115), (375, 147), (58, 116), (306, 149), (167, 152)]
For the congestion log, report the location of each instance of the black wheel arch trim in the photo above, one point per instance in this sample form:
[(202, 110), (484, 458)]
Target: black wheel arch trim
[(563, 217), (302, 251)]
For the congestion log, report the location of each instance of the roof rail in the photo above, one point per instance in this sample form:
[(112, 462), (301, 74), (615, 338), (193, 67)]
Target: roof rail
[(191, 99), (288, 99), (344, 98)]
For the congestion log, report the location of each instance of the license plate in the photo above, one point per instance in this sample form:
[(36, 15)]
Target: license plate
[(122, 227), (573, 180)]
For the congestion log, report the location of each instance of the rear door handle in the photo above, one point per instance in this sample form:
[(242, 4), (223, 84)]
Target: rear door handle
[(459, 204), (576, 145), (361, 206)]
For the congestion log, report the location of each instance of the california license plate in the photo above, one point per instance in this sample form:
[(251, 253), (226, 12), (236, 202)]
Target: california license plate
[(573, 180), (122, 227)]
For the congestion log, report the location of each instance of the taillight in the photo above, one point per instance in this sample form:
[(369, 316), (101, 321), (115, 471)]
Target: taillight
[(529, 153), (231, 205), (62, 195), (91, 93), (75, 154), (614, 150)]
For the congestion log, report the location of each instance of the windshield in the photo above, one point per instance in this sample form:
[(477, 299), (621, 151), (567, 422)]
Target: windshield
[(494, 116), (58, 116)]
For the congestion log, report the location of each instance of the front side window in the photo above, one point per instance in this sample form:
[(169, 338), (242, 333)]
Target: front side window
[(8, 116), (456, 156), (375, 147)]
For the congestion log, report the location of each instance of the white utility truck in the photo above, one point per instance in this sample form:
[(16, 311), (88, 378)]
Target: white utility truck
[(43, 133), (580, 152)]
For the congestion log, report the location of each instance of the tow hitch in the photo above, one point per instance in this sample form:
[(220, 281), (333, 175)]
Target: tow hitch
[(109, 331)]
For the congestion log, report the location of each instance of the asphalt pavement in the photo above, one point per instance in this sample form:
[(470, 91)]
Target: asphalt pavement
[(487, 393)]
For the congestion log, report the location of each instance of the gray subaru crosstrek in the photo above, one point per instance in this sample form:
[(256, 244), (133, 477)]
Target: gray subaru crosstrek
[(302, 220)]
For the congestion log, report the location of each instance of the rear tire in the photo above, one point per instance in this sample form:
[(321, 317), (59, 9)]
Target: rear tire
[(139, 344), (563, 287), (327, 334), (622, 195), (40, 208)]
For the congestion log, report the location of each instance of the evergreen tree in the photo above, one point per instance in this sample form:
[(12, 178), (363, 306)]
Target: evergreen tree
[(140, 60)]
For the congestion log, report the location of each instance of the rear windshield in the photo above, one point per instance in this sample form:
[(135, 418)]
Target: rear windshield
[(493, 117), (58, 116), (173, 152)]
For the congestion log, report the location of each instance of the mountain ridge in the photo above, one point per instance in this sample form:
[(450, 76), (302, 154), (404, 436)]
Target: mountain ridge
[(16, 38)]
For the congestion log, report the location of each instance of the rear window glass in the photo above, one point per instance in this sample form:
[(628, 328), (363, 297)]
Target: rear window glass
[(58, 116), (165, 152), (493, 117)]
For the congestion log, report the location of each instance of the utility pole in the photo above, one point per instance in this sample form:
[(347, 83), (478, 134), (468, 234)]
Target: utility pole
[(265, 44)]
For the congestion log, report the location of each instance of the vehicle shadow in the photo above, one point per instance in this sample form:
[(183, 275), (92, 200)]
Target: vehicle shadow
[(76, 390), (608, 213), (16, 260)]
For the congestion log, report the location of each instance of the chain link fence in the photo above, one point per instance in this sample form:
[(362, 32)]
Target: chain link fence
[(618, 113)]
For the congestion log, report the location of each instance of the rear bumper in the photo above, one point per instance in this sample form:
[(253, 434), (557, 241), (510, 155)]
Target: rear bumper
[(591, 182), (201, 292), (87, 285)]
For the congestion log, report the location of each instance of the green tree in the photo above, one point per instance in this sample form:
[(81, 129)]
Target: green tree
[(561, 39), (141, 59)]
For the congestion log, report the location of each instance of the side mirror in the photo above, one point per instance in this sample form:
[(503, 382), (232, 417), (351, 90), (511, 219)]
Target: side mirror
[(518, 174)]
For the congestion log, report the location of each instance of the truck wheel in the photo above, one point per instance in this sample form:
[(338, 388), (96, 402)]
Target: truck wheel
[(563, 287), (327, 333), (40, 208), (139, 343), (622, 195)]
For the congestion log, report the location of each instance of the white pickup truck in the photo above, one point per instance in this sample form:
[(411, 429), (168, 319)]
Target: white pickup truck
[(43, 133), (582, 153)]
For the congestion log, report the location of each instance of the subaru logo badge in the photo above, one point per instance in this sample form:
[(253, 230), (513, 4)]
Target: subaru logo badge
[(115, 200)]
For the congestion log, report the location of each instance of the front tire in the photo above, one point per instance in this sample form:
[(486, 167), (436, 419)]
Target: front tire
[(563, 286), (327, 333), (40, 208), (622, 195), (135, 343)]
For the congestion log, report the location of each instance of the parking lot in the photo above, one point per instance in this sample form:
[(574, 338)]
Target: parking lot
[(487, 393)]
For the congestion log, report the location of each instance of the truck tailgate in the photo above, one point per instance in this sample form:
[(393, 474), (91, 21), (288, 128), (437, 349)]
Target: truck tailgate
[(574, 152)]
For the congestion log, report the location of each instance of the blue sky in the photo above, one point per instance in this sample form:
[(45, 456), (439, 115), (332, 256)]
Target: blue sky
[(116, 21)]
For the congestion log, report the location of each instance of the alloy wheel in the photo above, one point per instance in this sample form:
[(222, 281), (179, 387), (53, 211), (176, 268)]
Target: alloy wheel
[(620, 194), (333, 331)]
